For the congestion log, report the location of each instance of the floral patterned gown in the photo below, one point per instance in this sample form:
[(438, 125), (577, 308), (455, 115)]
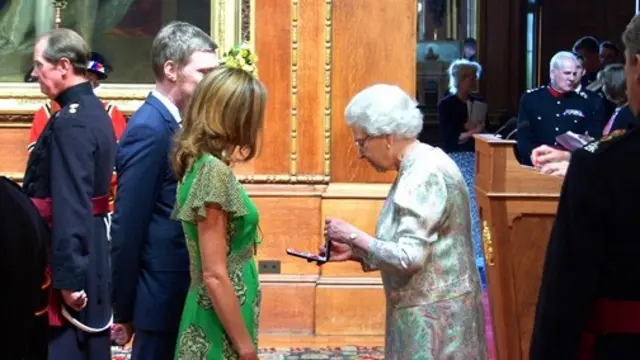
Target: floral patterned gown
[(424, 251), (201, 335)]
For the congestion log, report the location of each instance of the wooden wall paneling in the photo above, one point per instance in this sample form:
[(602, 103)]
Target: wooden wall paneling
[(310, 86), (502, 53), (344, 309), (371, 42), (288, 304), (605, 20), (273, 43), (348, 300)]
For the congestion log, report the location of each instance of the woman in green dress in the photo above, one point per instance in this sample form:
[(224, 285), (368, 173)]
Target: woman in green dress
[(221, 126)]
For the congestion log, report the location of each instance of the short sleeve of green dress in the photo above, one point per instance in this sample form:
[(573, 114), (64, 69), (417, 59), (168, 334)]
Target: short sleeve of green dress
[(211, 181)]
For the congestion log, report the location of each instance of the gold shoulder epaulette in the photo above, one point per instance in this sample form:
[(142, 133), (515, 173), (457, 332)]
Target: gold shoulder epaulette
[(604, 141), (536, 89)]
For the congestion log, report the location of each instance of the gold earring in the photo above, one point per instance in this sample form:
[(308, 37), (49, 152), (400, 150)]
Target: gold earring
[(388, 146)]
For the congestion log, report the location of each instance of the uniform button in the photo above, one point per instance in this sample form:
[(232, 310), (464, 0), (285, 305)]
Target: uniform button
[(539, 118), (557, 129), (556, 143), (558, 102), (557, 115), (575, 121)]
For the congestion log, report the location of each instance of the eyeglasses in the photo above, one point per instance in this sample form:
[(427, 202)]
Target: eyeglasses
[(360, 143)]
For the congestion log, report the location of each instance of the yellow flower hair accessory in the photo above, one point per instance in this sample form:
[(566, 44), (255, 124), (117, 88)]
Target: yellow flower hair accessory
[(241, 57)]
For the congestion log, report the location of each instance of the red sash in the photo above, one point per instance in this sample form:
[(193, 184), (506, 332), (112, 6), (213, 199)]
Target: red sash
[(609, 317), (100, 207)]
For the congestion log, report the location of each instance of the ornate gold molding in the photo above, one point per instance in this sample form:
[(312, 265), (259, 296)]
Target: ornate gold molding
[(487, 244), (283, 179), (328, 33), (293, 158)]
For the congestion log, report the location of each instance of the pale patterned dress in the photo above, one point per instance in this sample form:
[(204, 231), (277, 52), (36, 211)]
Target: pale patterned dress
[(424, 251)]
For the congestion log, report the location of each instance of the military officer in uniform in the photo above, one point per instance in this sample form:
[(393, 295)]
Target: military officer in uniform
[(68, 176), (547, 112), (589, 301)]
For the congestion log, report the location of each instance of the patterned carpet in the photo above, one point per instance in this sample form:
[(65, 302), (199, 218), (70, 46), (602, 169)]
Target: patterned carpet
[(326, 353), (332, 353)]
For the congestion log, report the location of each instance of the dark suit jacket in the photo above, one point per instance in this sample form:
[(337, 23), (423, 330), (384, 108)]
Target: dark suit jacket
[(149, 258), (23, 258)]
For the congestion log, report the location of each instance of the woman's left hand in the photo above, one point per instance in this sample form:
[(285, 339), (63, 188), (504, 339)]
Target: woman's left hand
[(338, 230)]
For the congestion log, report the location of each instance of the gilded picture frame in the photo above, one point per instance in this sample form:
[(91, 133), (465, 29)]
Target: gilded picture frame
[(232, 22)]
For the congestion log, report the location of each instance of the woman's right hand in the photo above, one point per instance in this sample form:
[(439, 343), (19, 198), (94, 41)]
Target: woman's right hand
[(339, 252)]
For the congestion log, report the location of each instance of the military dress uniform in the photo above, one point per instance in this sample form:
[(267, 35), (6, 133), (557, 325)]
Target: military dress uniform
[(589, 300), (68, 178), (545, 113)]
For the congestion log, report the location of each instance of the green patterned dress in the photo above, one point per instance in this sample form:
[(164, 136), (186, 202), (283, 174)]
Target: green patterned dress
[(201, 335)]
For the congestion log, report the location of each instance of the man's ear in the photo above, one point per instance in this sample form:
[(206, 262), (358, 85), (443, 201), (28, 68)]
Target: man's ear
[(65, 66), (171, 71)]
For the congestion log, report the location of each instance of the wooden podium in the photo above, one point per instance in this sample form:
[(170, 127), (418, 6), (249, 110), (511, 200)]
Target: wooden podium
[(517, 207)]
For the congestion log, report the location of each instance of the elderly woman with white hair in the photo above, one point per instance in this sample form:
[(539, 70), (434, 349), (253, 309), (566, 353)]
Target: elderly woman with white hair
[(422, 245), (460, 117)]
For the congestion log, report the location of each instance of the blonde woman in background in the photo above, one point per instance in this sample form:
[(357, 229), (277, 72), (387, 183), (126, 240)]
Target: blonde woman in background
[(458, 124), (221, 126)]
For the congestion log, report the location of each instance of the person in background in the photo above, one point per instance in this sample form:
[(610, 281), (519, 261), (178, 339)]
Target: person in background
[(457, 127), (555, 161), (470, 48), (422, 246), (589, 299), (149, 259), (222, 125), (97, 70), (615, 89), (609, 53), (547, 112), (602, 107), (68, 178), (589, 48)]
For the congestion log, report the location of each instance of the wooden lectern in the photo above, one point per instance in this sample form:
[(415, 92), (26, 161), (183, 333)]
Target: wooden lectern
[(517, 207)]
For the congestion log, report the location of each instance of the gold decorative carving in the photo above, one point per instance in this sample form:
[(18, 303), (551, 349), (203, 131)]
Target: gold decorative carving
[(293, 167), (487, 244), (328, 29)]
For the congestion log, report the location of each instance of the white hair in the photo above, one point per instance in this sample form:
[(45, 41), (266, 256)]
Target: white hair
[(385, 110), (460, 69), (560, 58)]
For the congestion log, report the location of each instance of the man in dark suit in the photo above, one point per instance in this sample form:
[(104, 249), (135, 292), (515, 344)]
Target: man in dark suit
[(149, 259), (23, 258), (68, 178), (589, 301)]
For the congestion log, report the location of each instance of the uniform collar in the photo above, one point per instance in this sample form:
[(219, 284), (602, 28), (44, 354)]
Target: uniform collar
[(73, 93), (556, 94)]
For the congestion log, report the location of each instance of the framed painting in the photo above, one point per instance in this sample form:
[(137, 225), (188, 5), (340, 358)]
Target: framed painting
[(121, 30)]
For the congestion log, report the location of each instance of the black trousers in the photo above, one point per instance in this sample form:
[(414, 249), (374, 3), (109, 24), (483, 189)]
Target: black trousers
[(154, 345), (69, 343)]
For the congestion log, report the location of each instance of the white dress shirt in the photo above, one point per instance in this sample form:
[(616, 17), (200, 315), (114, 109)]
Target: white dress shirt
[(173, 109)]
